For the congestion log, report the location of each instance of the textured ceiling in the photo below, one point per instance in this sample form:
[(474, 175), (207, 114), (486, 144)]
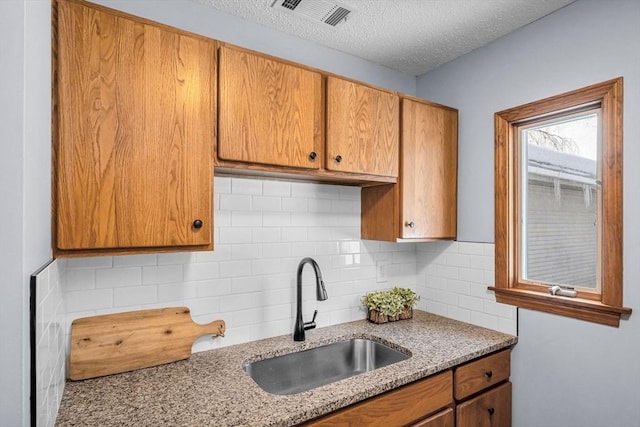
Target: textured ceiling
[(411, 36)]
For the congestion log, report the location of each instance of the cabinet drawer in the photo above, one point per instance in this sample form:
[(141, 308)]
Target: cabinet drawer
[(481, 374), (441, 419), (490, 409), (398, 407)]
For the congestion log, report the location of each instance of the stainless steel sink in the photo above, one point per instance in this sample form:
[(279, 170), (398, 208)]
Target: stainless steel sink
[(297, 372)]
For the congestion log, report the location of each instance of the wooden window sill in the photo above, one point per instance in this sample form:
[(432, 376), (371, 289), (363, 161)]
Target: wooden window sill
[(578, 308)]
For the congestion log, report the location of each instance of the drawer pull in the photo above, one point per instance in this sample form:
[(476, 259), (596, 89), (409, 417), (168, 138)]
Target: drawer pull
[(488, 374), (491, 411)]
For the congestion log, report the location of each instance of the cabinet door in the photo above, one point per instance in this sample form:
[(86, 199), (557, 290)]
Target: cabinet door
[(490, 409), (136, 114), (270, 112), (362, 129), (441, 419), (428, 182)]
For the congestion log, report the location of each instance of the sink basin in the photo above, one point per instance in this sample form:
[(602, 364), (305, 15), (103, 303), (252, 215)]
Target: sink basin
[(297, 372)]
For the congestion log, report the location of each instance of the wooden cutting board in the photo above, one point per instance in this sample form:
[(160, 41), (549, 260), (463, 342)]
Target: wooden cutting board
[(115, 343)]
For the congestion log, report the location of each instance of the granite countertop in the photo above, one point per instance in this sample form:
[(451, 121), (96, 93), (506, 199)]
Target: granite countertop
[(212, 389)]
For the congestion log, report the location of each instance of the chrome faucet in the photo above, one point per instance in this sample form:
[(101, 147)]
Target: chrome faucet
[(321, 295)]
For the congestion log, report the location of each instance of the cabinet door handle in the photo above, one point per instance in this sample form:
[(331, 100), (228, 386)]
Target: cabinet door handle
[(488, 374), (338, 158), (491, 411), (409, 224), (313, 155), (197, 224)]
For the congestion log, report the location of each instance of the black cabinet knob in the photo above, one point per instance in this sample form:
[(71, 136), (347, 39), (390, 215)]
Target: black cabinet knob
[(338, 158), (488, 374), (491, 411), (197, 224), (313, 155)]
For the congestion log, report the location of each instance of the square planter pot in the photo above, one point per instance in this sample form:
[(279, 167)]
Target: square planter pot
[(374, 316)]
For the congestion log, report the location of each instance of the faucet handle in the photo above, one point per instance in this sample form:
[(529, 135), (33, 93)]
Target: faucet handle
[(312, 324)]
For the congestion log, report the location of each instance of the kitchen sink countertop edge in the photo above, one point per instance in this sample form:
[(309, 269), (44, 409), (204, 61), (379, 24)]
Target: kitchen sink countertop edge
[(211, 388)]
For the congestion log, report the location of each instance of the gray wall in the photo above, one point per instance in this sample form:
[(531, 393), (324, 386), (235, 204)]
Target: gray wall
[(25, 182), (566, 372)]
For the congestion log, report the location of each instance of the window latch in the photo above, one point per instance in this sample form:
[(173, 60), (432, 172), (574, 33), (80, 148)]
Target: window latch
[(564, 291)]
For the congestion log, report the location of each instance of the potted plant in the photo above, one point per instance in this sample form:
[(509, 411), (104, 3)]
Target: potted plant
[(391, 305)]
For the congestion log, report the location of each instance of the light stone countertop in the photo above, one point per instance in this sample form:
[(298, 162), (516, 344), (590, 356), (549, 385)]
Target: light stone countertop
[(212, 389)]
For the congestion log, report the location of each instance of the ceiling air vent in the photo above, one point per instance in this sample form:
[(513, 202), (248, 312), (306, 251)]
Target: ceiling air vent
[(328, 12)]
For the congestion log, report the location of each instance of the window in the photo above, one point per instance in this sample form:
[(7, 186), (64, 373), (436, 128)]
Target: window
[(558, 204)]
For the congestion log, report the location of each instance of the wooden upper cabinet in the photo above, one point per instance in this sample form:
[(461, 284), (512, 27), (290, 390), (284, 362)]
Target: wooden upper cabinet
[(133, 165), (428, 181), (270, 112), (362, 129), (423, 204)]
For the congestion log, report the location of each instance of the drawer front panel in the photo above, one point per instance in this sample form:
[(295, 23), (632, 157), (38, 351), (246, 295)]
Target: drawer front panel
[(481, 374), (398, 407)]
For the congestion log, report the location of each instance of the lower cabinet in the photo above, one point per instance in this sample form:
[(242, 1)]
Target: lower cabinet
[(474, 394), (400, 407), (482, 391), (490, 409)]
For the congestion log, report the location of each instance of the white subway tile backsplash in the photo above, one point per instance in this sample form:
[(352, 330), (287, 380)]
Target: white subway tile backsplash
[(135, 260), (471, 275), (295, 234), (457, 260), (246, 251), (471, 303), (135, 295), (291, 204), (221, 185), (267, 203), (240, 285), (246, 186), (245, 219), (470, 248), (276, 188), (235, 268), (265, 235), (235, 235), (263, 229), (445, 297), (201, 271), (80, 279), (459, 313), (263, 267), (211, 288), (276, 219), (276, 250), (483, 262), (49, 344), (501, 310), (162, 274), (234, 202), (117, 277), (177, 291), (222, 252), (89, 262), (463, 269), (80, 301), (176, 258), (485, 320)]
